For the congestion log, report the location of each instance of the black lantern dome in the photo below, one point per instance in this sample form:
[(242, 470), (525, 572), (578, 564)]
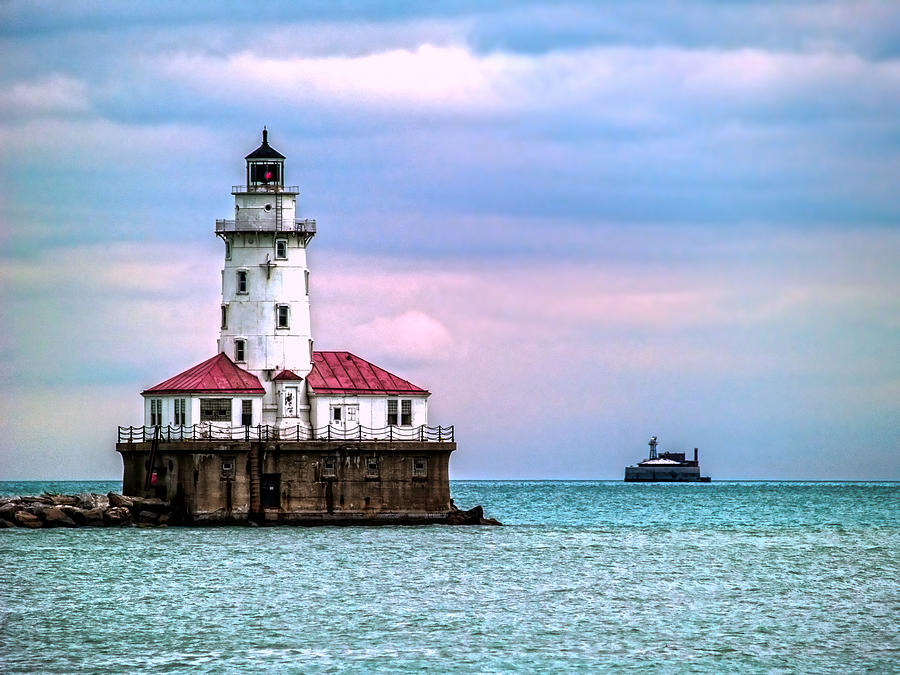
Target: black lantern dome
[(265, 165)]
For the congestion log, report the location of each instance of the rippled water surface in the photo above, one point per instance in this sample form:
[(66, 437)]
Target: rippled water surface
[(584, 576)]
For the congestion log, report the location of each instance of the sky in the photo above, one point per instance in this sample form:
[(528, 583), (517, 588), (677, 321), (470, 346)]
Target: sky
[(577, 224)]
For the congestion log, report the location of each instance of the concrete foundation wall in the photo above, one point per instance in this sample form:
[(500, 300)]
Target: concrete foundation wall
[(316, 481)]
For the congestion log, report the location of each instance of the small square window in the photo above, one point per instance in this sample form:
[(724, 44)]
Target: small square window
[(242, 281), (329, 467), (420, 467), (336, 414), (372, 466), (281, 249), (240, 350)]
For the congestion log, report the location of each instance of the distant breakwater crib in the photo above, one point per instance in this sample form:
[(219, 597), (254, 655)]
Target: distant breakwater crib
[(270, 429)]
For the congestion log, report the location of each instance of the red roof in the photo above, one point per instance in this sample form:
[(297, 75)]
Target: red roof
[(346, 373), (217, 375), (287, 375)]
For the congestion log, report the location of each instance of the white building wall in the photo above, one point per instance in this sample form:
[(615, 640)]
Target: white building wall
[(372, 409), (192, 408)]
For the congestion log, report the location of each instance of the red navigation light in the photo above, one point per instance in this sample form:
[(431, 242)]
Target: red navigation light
[(268, 175)]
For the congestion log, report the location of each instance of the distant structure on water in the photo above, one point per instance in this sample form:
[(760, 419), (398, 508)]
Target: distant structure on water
[(269, 429), (666, 467)]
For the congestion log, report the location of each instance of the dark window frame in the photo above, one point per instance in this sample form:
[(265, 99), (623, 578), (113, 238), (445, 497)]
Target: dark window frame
[(215, 410), (393, 415), (282, 316)]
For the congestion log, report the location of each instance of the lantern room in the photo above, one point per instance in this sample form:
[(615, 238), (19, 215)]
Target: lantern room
[(265, 167)]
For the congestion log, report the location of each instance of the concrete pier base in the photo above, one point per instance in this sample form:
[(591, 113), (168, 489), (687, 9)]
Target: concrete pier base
[(295, 482)]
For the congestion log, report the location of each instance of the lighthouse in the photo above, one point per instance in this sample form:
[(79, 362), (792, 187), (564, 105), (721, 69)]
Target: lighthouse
[(265, 324), (270, 429)]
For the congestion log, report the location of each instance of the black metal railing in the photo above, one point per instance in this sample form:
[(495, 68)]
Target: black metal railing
[(212, 431), (271, 187), (301, 225)]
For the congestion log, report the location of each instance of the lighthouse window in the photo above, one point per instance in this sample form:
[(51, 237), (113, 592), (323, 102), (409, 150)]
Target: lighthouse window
[(155, 412), (420, 467), (392, 412), (283, 316), (329, 467), (264, 173), (242, 281), (281, 249), (227, 250), (215, 409), (180, 412), (406, 412), (240, 350), (224, 316), (306, 278)]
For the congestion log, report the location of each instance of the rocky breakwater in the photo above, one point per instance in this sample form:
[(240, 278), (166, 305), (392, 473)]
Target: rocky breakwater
[(84, 510), (115, 510)]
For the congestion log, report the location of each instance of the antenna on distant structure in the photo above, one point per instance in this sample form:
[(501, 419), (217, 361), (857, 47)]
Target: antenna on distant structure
[(652, 447)]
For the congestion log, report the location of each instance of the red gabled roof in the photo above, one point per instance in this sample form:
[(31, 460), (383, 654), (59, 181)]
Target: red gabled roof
[(287, 375), (346, 373), (218, 375)]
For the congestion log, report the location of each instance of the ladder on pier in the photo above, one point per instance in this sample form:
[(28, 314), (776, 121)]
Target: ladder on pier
[(279, 199), (151, 461)]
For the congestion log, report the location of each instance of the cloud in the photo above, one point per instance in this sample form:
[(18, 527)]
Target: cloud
[(619, 83), (411, 337), (53, 94)]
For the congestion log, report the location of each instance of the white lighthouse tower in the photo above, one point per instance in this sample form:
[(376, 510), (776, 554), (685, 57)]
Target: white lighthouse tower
[(265, 327), (266, 380)]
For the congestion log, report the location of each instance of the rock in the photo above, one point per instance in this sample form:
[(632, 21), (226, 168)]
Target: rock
[(9, 500), (5, 523), (118, 501), (41, 499), (54, 517), (149, 504), (164, 519), (76, 514), (474, 516), (87, 501), (28, 519), (117, 515), (147, 517), (67, 500), (94, 517), (8, 511)]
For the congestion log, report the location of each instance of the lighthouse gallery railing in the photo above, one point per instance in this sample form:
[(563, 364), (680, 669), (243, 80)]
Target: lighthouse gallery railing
[(211, 431)]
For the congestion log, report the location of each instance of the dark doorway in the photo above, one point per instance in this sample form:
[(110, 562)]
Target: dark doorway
[(270, 484)]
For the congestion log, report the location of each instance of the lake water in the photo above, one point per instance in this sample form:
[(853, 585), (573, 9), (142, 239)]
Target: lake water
[(586, 576)]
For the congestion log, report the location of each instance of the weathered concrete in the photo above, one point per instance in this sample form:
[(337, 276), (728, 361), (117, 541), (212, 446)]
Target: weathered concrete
[(295, 482)]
